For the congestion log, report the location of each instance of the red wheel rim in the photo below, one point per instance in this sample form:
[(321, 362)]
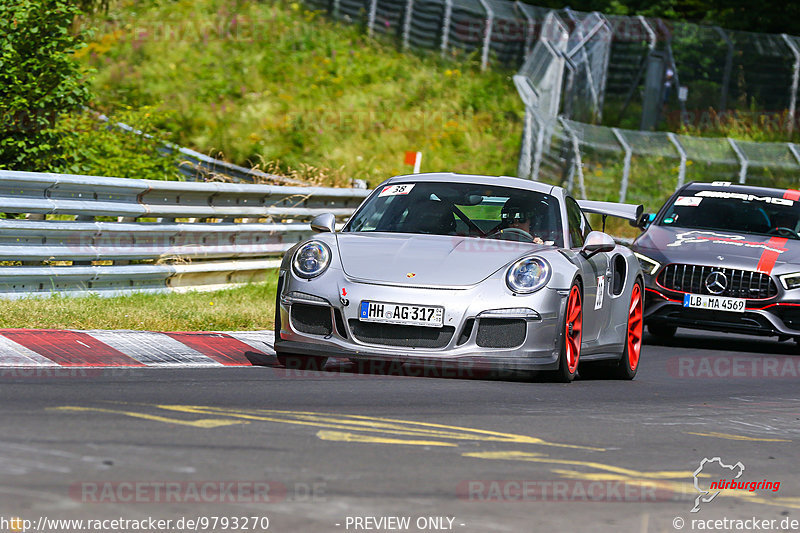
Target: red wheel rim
[(574, 327), (635, 326)]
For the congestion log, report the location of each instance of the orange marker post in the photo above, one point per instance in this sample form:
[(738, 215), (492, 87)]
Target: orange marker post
[(414, 159)]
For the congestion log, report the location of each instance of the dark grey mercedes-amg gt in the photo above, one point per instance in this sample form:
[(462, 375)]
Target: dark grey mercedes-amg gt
[(725, 257)]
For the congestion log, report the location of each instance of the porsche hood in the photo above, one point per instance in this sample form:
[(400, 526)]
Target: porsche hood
[(426, 260), (717, 248)]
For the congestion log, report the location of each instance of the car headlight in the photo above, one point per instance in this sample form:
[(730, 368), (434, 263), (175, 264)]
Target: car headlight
[(311, 259), (648, 265), (790, 281), (528, 275)]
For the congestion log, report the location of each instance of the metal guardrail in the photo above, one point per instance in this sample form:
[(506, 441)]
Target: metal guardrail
[(89, 234)]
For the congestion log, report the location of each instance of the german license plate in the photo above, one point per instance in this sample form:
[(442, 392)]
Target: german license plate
[(715, 303), (405, 314)]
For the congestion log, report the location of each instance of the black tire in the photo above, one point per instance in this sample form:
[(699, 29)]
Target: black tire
[(662, 331), (566, 374), (302, 362)]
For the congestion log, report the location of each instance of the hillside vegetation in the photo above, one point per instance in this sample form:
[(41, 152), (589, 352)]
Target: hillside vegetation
[(273, 82)]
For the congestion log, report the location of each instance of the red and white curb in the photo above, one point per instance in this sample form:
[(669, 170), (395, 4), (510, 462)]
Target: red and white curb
[(100, 348)]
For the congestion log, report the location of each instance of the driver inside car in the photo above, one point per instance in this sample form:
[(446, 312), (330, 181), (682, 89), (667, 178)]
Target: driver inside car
[(517, 214)]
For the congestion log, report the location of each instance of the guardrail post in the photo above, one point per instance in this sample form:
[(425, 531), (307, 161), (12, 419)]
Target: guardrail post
[(795, 79), (448, 13), (681, 152), (626, 167), (742, 160)]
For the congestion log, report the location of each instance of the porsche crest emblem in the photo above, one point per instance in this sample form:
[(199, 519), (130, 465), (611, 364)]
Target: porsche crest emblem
[(411, 275)]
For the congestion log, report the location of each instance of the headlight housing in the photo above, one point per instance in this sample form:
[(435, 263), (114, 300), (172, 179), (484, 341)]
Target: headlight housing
[(311, 259), (790, 281), (528, 275), (649, 266)]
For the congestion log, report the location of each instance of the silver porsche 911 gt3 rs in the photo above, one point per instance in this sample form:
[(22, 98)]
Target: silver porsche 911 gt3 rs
[(496, 272)]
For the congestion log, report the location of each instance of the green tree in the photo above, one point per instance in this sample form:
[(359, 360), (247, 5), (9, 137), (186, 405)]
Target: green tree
[(38, 79)]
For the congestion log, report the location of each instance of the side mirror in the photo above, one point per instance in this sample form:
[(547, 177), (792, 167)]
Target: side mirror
[(597, 242), (325, 222)]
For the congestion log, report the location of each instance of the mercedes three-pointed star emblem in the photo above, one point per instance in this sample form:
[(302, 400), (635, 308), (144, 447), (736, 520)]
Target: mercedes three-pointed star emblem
[(716, 282)]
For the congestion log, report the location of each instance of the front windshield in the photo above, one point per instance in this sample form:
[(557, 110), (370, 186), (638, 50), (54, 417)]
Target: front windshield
[(737, 212), (462, 209)]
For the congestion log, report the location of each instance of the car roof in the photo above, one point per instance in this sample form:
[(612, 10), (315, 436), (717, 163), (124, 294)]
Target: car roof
[(497, 181), (735, 187)]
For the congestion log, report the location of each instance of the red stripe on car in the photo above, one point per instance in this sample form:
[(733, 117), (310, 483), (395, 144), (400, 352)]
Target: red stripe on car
[(218, 346), (770, 254), (69, 348), (791, 194)]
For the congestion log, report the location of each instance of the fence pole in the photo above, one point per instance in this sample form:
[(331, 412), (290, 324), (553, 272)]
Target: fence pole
[(487, 34), (373, 9), (742, 160), (531, 29), (576, 154), (604, 71), (448, 12), (795, 78), (682, 168), (795, 152), (726, 75), (541, 131), (336, 4), (626, 167), (651, 34), (407, 23), (524, 165)]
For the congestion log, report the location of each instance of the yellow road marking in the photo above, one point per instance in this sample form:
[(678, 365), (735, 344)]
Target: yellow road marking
[(373, 424), (736, 437), (524, 456), (346, 423), (352, 437), (202, 423)]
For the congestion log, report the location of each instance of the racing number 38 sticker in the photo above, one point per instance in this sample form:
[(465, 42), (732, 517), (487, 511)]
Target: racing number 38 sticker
[(394, 190)]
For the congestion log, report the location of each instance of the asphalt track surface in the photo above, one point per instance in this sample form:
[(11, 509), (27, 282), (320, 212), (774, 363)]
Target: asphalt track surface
[(345, 451)]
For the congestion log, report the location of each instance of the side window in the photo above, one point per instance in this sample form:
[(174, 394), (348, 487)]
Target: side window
[(578, 225)]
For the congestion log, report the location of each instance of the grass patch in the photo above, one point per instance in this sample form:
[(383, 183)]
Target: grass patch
[(273, 82), (249, 307)]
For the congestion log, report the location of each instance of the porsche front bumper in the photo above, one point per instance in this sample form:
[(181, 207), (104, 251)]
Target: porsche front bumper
[(484, 326)]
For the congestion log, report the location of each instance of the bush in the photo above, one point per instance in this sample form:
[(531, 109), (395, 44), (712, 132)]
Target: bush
[(38, 79), (89, 146)]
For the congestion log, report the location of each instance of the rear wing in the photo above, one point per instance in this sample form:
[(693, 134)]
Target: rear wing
[(630, 212)]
